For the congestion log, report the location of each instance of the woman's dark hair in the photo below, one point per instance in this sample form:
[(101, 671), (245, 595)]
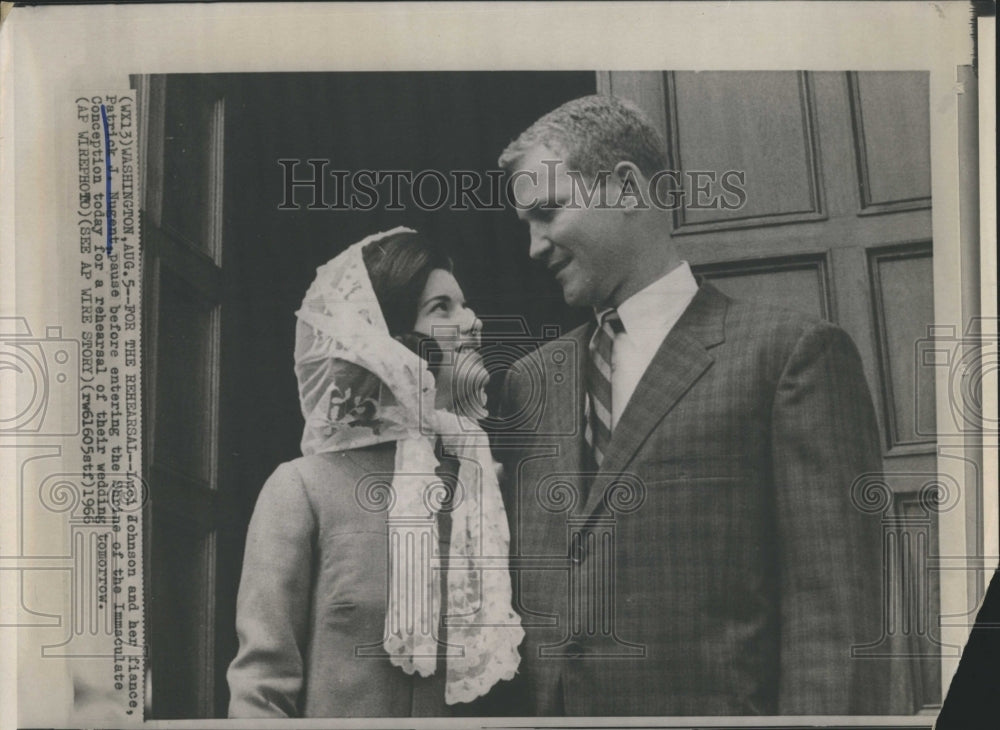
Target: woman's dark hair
[(398, 267)]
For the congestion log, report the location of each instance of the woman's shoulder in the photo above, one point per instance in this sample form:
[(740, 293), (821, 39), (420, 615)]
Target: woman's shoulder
[(347, 463), (335, 474)]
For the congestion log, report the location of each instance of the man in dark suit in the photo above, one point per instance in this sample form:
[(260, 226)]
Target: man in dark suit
[(679, 482)]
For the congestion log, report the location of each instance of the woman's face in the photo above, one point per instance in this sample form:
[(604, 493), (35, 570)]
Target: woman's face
[(442, 314)]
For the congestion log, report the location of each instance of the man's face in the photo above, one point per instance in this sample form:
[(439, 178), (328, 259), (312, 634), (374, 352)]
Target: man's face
[(583, 245)]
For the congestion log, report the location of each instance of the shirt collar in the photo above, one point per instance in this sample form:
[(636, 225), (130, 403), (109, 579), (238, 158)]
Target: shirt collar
[(657, 308)]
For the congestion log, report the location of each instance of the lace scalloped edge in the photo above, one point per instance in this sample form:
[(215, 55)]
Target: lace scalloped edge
[(503, 670)]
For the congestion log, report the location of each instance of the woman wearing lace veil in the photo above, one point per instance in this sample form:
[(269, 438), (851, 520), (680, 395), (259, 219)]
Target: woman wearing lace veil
[(374, 580)]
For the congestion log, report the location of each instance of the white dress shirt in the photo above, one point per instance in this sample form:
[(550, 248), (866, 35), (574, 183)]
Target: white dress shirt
[(647, 316)]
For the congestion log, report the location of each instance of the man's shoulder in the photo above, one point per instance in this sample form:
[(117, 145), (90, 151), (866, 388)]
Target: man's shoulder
[(755, 318), (326, 486), (780, 333)]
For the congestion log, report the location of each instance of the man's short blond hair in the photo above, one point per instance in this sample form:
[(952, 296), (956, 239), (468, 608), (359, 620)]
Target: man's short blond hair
[(593, 134)]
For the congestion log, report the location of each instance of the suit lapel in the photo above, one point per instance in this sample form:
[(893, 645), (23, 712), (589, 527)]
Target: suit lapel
[(679, 362)]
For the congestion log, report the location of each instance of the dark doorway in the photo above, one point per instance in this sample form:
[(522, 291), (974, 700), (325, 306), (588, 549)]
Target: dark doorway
[(261, 261)]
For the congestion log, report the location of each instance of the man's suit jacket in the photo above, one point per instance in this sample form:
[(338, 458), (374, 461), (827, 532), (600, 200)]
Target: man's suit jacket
[(727, 569)]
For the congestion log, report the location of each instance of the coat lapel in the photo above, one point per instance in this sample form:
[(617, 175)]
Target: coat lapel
[(681, 359)]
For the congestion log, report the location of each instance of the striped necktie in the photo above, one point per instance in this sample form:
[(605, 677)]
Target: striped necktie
[(598, 426)]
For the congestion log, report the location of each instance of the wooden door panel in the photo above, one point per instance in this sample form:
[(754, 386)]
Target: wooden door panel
[(180, 608), (186, 379), (801, 282), (837, 224), (902, 312), (192, 164), (886, 109), (183, 347), (760, 124)]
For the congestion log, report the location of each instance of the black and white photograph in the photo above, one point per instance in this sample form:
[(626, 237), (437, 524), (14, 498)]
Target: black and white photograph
[(524, 394), (687, 486)]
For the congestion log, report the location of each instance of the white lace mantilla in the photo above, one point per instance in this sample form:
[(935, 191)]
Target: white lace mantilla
[(358, 387)]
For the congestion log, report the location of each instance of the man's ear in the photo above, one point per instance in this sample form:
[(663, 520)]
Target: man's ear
[(632, 189)]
